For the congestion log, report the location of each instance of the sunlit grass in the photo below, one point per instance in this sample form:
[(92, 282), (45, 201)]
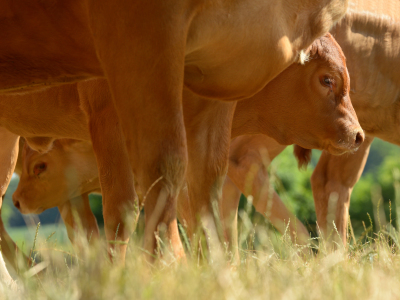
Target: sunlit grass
[(271, 268)]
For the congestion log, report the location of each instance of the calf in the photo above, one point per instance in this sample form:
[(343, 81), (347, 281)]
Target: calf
[(318, 92), (369, 35), (78, 114)]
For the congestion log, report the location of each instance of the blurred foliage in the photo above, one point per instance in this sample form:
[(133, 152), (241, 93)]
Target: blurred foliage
[(294, 187), (97, 208)]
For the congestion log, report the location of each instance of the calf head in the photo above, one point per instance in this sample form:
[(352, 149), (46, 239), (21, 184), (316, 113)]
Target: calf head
[(50, 179), (309, 104)]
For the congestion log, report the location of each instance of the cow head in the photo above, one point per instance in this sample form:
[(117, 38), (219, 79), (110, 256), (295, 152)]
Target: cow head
[(50, 179), (309, 103)]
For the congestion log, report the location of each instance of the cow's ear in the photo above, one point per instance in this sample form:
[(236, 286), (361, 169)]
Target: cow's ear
[(39, 168), (303, 156)]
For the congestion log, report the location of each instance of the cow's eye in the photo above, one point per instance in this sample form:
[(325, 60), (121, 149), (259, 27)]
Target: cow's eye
[(39, 168), (327, 81)]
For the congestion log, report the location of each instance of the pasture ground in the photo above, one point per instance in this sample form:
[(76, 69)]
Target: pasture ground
[(271, 268)]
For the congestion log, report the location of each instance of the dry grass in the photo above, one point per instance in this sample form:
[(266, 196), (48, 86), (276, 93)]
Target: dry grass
[(271, 268)]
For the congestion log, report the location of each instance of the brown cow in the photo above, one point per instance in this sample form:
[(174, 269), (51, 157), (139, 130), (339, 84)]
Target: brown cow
[(369, 35), (61, 42), (225, 50), (370, 40), (320, 94)]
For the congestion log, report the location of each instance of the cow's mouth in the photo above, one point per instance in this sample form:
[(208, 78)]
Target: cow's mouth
[(339, 149), (27, 211), (39, 210)]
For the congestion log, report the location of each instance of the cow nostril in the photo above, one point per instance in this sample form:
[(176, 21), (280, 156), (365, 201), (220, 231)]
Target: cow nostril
[(359, 138), (17, 205)]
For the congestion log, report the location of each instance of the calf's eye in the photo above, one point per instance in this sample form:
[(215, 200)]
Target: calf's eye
[(327, 81), (39, 168)]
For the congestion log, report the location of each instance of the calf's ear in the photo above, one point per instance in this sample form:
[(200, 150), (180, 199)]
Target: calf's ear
[(40, 144), (303, 156)]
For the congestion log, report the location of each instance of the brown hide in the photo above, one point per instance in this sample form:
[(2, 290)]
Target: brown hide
[(147, 54), (370, 38), (300, 107), (42, 173)]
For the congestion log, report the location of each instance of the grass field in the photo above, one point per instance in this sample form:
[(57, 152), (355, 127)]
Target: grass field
[(24, 236), (271, 268)]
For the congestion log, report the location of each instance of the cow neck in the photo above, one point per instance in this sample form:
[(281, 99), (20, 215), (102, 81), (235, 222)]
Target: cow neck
[(251, 118)]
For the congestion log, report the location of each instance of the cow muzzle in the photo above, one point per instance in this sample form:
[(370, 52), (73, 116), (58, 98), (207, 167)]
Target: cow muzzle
[(359, 138), (23, 209), (350, 143)]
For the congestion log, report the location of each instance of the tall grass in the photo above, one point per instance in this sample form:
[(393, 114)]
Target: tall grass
[(271, 268)]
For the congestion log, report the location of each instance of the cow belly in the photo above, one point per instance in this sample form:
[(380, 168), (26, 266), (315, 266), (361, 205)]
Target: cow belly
[(232, 52), (44, 42)]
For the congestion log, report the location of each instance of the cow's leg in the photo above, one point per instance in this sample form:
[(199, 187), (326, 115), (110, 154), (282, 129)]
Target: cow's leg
[(8, 159), (208, 135), (142, 53), (332, 183), (268, 203), (228, 207), (281, 218), (248, 170), (229, 212), (78, 210), (115, 173), (6, 280)]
